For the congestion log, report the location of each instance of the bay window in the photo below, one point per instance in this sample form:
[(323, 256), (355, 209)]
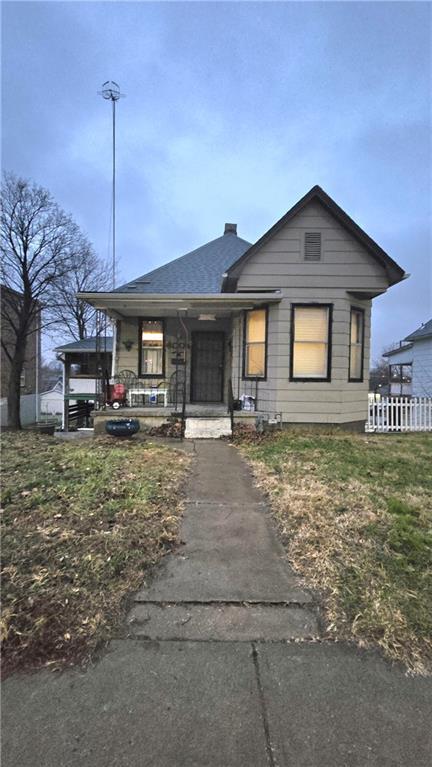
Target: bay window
[(151, 348), (255, 342), (356, 345), (310, 342)]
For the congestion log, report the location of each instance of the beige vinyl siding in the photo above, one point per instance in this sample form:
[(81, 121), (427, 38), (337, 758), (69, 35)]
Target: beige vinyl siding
[(344, 266), (127, 330), (344, 263), (267, 389)]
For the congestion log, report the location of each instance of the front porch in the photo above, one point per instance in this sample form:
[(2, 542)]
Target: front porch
[(185, 357), (154, 416)]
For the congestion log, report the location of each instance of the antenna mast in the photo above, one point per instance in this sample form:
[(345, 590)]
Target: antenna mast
[(111, 92)]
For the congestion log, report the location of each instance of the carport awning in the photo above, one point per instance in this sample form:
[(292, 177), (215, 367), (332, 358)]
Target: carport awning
[(119, 305)]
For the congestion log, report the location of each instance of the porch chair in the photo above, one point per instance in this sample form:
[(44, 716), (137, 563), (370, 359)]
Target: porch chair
[(131, 382)]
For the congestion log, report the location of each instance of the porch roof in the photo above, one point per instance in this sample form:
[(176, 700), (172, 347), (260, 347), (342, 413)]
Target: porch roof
[(119, 305)]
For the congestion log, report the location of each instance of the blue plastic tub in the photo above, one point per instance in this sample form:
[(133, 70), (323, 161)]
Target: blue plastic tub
[(122, 427)]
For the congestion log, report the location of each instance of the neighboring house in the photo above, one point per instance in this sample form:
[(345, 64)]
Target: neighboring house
[(412, 359), (285, 320), (29, 400), (29, 377), (52, 402), (86, 366)]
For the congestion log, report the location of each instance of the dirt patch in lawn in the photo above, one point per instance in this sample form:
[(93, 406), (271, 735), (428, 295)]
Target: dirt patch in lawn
[(82, 521), (355, 515)]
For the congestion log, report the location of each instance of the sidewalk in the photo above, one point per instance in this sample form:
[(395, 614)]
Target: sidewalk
[(207, 673)]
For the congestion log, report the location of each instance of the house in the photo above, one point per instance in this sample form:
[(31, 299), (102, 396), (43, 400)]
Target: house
[(86, 368), (10, 300), (52, 402), (281, 325), (29, 383), (412, 361)]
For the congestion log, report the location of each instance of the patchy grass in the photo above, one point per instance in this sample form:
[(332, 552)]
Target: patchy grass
[(355, 513), (81, 523)]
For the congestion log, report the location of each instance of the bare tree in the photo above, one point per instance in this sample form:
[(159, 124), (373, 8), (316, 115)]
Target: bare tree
[(379, 376), (87, 273), (37, 241), (50, 373)]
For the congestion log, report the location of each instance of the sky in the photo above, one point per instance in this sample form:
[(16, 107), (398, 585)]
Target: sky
[(232, 112)]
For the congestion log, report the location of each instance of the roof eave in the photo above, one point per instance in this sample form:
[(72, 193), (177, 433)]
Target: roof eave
[(99, 300), (398, 350), (423, 337)]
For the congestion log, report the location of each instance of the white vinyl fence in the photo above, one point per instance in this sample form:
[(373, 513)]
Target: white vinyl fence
[(400, 414), (27, 406)]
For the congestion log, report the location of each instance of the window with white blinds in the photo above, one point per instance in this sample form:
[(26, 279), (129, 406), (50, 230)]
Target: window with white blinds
[(255, 343), (310, 340), (356, 345)]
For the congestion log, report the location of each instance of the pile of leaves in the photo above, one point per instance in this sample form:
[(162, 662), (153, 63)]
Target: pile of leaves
[(171, 428), (245, 434), (355, 515), (82, 522)]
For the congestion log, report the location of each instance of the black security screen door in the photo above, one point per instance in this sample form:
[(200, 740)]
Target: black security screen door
[(207, 372)]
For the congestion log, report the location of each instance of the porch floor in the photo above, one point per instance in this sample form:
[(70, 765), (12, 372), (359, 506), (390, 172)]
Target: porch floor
[(193, 410)]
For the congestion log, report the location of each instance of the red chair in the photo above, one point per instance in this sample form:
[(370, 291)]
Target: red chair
[(116, 395)]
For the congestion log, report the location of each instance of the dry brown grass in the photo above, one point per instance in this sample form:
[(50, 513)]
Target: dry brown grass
[(81, 524), (355, 515)]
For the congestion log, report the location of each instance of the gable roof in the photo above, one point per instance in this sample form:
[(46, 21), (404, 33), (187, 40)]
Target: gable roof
[(87, 345), (57, 388), (424, 331), (199, 271), (394, 272)]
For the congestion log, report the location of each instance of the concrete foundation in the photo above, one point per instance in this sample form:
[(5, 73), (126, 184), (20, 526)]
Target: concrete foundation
[(155, 416)]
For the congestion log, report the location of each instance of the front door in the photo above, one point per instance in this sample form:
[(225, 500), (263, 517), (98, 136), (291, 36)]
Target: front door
[(207, 367)]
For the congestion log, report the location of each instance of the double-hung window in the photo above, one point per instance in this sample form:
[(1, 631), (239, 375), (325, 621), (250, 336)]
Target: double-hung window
[(255, 341), (310, 342), (356, 345), (152, 348)]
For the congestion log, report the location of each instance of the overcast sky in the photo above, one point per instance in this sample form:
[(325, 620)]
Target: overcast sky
[(232, 112)]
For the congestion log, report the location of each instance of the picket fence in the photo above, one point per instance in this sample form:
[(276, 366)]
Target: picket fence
[(400, 414)]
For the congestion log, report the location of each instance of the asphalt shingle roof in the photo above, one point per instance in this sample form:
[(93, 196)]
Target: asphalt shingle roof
[(424, 331), (199, 271), (87, 345)]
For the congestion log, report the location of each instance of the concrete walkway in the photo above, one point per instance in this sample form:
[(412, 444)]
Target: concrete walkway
[(207, 673)]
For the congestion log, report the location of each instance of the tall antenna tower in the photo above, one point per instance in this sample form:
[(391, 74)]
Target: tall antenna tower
[(111, 92)]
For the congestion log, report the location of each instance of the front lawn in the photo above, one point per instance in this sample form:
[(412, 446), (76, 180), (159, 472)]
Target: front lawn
[(81, 523), (355, 514)]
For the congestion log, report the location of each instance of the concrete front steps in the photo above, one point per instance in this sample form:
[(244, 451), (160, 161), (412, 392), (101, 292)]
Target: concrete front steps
[(210, 427)]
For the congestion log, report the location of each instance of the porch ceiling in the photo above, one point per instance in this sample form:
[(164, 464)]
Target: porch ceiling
[(189, 304)]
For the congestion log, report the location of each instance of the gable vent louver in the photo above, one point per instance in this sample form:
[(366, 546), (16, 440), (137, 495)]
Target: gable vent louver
[(312, 246)]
